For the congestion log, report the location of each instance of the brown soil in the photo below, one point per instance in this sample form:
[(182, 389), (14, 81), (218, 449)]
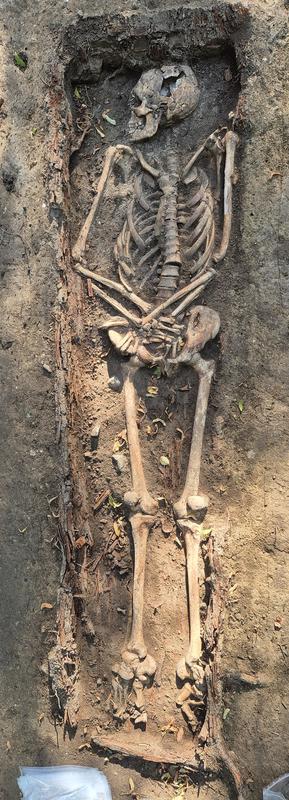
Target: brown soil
[(44, 198)]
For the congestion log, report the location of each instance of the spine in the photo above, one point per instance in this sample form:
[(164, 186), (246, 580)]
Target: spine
[(169, 277)]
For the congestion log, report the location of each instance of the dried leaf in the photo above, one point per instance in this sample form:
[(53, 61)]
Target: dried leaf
[(120, 441), (22, 530), (164, 461), (152, 390), (84, 746), (100, 132), (117, 528), (46, 606), (8, 746), (241, 406), (152, 430), (169, 728), (90, 291), (131, 785), (226, 713), (159, 420), (180, 734), (166, 776), (274, 174), (40, 718), (167, 526), (101, 499), (80, 542), (108, 119)]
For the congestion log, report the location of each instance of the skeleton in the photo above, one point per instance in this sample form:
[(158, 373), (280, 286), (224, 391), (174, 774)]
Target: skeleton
[(169, 228)]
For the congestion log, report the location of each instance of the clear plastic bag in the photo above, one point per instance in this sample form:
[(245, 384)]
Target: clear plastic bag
[(278, 790), (63, 783)]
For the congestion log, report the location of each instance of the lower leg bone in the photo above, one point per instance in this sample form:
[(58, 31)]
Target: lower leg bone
[(137, 667), (191, 534), (189, 510), (140, 526)]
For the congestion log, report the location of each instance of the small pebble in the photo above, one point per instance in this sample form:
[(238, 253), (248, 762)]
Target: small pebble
[(94, 437), (114, 383), (88, 454), (119, 462), (46, 368)]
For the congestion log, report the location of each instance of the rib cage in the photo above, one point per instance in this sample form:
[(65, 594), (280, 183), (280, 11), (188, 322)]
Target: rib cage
[(169, 224)]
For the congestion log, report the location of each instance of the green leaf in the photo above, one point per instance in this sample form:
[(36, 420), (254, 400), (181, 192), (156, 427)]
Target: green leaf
[(164, 461), (113, 502), (157, 372), (108, 119), (205, 533), (241, 406), (33, 131), (226, 713), (77, 93), (19, 61)]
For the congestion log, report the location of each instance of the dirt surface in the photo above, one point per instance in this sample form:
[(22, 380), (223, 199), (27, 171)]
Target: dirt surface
[(245, 469)]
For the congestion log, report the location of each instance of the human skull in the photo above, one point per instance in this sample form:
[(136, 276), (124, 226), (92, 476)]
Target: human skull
[(166, 94)]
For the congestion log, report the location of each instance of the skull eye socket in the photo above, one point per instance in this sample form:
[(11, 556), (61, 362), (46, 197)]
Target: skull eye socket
[(170, 84)]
